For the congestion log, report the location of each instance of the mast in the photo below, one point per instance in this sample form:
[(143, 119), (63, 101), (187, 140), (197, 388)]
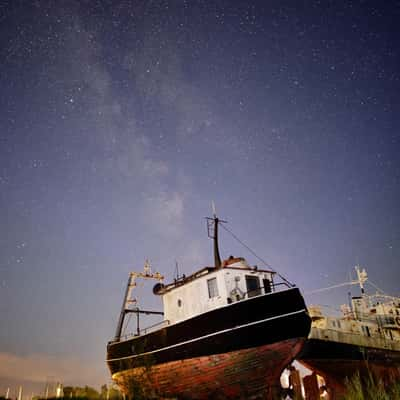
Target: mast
[(123, 311), (217, 257), (212, 230), (361, 278)]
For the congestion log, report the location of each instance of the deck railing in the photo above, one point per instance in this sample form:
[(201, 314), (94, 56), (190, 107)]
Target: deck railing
[(146, 330)]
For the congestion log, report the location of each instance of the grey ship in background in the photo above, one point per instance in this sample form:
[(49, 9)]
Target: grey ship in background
[(365, 339)]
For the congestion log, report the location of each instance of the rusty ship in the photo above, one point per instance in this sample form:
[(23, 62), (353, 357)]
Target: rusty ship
[(364, 339), (227, 331)]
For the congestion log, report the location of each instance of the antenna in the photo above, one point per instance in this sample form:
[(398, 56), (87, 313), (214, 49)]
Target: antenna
[(213, 209), (176, 270)]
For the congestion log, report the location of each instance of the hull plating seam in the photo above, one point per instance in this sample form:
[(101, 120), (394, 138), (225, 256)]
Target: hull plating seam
[(209, 335)]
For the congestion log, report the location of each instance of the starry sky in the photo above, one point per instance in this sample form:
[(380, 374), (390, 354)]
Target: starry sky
[(120, 122)]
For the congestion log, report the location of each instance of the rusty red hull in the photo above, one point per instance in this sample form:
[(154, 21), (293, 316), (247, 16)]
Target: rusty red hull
[(242, 374)]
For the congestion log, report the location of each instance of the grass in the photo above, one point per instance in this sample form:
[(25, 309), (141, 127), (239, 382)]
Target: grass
[(370, 389)]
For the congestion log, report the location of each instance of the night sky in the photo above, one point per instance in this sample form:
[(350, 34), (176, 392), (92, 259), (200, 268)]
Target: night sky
[(120, 122)]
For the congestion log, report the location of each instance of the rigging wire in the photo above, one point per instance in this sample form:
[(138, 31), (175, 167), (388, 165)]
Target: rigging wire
[(376, 287), (330, 287), (351, 283), (255, 255)]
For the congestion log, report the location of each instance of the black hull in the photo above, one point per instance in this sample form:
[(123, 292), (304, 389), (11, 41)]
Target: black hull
[(257, 321), (338, 362), (329, 350)]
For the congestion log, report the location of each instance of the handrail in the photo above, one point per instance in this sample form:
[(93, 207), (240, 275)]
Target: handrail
[(282, 284), (145, 330), (261, 289), (151, 327)]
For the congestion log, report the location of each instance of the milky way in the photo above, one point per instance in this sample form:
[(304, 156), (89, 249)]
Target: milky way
[(120, 122)]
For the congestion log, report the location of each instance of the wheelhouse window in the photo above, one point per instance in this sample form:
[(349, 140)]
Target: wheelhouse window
[(253, 286), (212, 287)]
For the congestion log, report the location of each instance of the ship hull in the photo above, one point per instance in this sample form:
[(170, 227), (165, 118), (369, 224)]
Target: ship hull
[(264, 333), (242, 374), (338, 362)]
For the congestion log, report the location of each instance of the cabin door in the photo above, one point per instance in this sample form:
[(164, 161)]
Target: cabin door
[(267, 285)]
